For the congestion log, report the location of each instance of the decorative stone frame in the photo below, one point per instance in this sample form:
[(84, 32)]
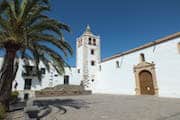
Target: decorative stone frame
[(150, 67)]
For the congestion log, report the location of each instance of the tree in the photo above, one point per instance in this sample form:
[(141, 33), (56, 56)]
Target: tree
[(26, 32)]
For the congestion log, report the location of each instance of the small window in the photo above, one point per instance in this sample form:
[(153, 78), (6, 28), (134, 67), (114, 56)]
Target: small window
[(66, 79), (26, 96), (28, 83), (92, 63), (100, 68), (92, 52), (94, 41), (78, 70), (142, 57), (178, 47), (89, 42), (117, 64), (28, 68), (43, 71)]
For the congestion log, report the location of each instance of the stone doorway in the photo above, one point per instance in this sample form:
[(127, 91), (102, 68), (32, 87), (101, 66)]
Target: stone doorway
[(146, 83), (145, 76)]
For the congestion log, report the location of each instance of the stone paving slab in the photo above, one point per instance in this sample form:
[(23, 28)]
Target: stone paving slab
[(111, 107)]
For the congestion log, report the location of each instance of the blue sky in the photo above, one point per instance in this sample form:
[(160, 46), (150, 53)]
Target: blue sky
[(121, 24)]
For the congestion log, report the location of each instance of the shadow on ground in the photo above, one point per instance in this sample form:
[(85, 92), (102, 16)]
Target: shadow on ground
[(47, 105)]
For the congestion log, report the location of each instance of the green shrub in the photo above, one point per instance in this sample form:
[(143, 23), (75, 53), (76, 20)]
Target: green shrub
[(2, 112), (14, 94)]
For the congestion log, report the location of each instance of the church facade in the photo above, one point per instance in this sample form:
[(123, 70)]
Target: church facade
[(151, 69)]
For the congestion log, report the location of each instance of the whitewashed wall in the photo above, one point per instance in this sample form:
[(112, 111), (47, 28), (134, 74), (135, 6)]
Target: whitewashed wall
[(113, 80), (121, 80), (50, 77)]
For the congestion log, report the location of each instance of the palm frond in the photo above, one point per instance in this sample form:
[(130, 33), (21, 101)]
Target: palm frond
[(61, 44), (29, 5), (36, 61), (17, 4), (25, 24), (4, 24), (13, 9), (45, 61), (45, 25), (3, 6), (57, 60)]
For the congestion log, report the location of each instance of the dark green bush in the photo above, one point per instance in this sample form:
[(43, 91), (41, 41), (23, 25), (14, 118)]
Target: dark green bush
[(14, 96)]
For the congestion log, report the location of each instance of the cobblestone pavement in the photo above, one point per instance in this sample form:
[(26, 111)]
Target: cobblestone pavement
[(110, 107)]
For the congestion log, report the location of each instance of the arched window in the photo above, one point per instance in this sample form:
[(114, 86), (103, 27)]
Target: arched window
[(117, 64), (100, 68), (92, 63), (78, 70), (94, 41), (92, 51), (89, 42)]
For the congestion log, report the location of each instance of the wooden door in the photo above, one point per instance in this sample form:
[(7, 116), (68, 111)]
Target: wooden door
[(146, 83)]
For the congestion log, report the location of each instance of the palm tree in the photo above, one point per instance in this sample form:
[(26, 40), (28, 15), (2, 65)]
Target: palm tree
[(26, 32)]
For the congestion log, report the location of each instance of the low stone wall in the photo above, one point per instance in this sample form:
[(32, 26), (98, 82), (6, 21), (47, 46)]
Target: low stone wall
[(62, 90), (66, 88), (52, 93)]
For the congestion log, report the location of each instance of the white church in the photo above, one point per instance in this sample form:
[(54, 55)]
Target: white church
[(150, 69)]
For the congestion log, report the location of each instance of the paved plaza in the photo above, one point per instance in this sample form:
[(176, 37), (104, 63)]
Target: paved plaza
[(108, 107)]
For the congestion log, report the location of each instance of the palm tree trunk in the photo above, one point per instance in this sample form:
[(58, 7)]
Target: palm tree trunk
[(6, 75)]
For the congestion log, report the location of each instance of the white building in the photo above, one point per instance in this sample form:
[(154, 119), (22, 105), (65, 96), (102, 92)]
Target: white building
[(88, 57), (151, 69)]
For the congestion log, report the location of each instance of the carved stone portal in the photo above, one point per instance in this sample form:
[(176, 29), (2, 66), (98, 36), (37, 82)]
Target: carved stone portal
[(145, 76)]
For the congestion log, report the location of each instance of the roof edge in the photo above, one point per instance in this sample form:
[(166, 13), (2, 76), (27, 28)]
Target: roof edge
[(156, 42)]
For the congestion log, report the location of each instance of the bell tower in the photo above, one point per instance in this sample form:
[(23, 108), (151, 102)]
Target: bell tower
[(88, 57)]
